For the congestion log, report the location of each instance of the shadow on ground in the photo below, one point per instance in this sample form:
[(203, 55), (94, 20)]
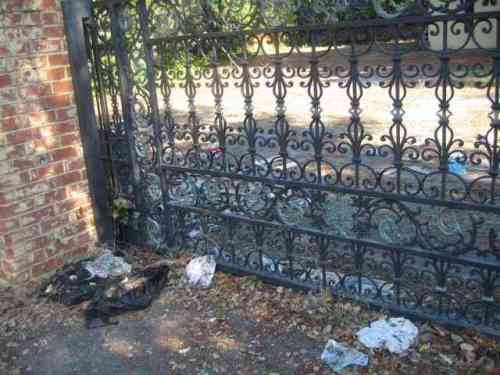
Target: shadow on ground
[(171, 339)]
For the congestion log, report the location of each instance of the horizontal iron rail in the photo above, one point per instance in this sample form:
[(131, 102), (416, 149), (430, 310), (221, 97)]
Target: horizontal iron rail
[(407, 21), (421, 253), (323, 187), (459, 205)]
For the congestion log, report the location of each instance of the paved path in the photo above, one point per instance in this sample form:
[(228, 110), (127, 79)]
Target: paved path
[(171, 339)]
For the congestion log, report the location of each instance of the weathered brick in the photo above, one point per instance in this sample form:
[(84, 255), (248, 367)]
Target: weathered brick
[(49, 5), (45, 210), (55, 74), (63, 127), (36, 216), (62, 87), (67, 178), (53, 32), (70, 139), (7, 95), (5, 80), (55, 101), (35, 119), (8, 110), (59, 59), (34, 91), (9, 225), (50, 18), (21, 164), (75, 164), (21, 235), (67, 114), (9, 124), (46, 171), (10, 181), (48, 46), (64, 153), (8, 64), (22, 136)]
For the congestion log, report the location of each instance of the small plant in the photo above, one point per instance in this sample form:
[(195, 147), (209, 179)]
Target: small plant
[(121, 210)]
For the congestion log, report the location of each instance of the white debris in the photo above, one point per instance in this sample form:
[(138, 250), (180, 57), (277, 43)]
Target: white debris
[(395, 334), (200, 271), (107, 265), (194, 234), (339, 356), (184, 351), (270, 265), (317, 275)]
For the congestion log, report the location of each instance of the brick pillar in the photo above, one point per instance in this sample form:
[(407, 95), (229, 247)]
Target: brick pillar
[(45, 212)]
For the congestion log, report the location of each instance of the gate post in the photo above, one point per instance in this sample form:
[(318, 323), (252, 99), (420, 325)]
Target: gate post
[(75, 12)]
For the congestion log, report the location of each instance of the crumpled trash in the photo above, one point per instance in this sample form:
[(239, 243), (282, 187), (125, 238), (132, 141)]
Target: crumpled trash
[(134, 292), (107, 265), (339, 356), (195, 233), (200, 271), (395, 334), (455, 167), (106, 297), (71, 285)]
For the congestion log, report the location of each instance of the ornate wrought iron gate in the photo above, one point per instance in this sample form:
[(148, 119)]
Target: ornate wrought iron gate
[(406, 219)]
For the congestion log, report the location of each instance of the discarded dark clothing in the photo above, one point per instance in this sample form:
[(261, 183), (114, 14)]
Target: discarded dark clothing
[(135, 292), (109, 297), (71, 285)]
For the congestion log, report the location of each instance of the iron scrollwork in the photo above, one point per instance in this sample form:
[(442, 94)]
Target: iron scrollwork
[(395, 217)]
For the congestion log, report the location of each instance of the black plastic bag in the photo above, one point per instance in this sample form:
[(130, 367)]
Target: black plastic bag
[(134, 292), (71, 285)]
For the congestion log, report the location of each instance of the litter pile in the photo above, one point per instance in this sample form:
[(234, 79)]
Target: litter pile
[(339, 356), (108, 284), (200, 271), (108, 265), (396, 335)]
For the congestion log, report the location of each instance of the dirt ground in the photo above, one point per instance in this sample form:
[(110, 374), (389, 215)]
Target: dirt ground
[(239, 326)]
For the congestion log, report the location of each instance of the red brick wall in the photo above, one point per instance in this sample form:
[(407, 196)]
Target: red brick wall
[(45, 212)]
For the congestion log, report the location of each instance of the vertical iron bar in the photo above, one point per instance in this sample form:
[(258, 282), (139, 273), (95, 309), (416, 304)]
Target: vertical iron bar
[(170, 126), (249, 123), (444, 97), (355, 130), (494, 96), (75, 12), (289, 240), (316, 127), (220, 123), (281, 126), (100, 97), (127, 98), (193, 125), (398, 96), (155, 112)]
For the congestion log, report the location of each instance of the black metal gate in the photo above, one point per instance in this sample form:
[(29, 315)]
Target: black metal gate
[(391, 212)]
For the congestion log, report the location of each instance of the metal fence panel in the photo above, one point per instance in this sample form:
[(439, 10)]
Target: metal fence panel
[(397, 214)]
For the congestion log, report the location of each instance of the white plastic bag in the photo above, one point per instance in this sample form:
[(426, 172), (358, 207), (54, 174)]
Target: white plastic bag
[(200, 271)]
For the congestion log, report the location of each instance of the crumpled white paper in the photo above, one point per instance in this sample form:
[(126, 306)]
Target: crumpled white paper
[(107, 265), (200, 271), (395, 334), (339, 356)]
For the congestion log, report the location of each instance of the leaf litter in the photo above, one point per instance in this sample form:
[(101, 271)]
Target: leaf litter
[(270, 311)]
